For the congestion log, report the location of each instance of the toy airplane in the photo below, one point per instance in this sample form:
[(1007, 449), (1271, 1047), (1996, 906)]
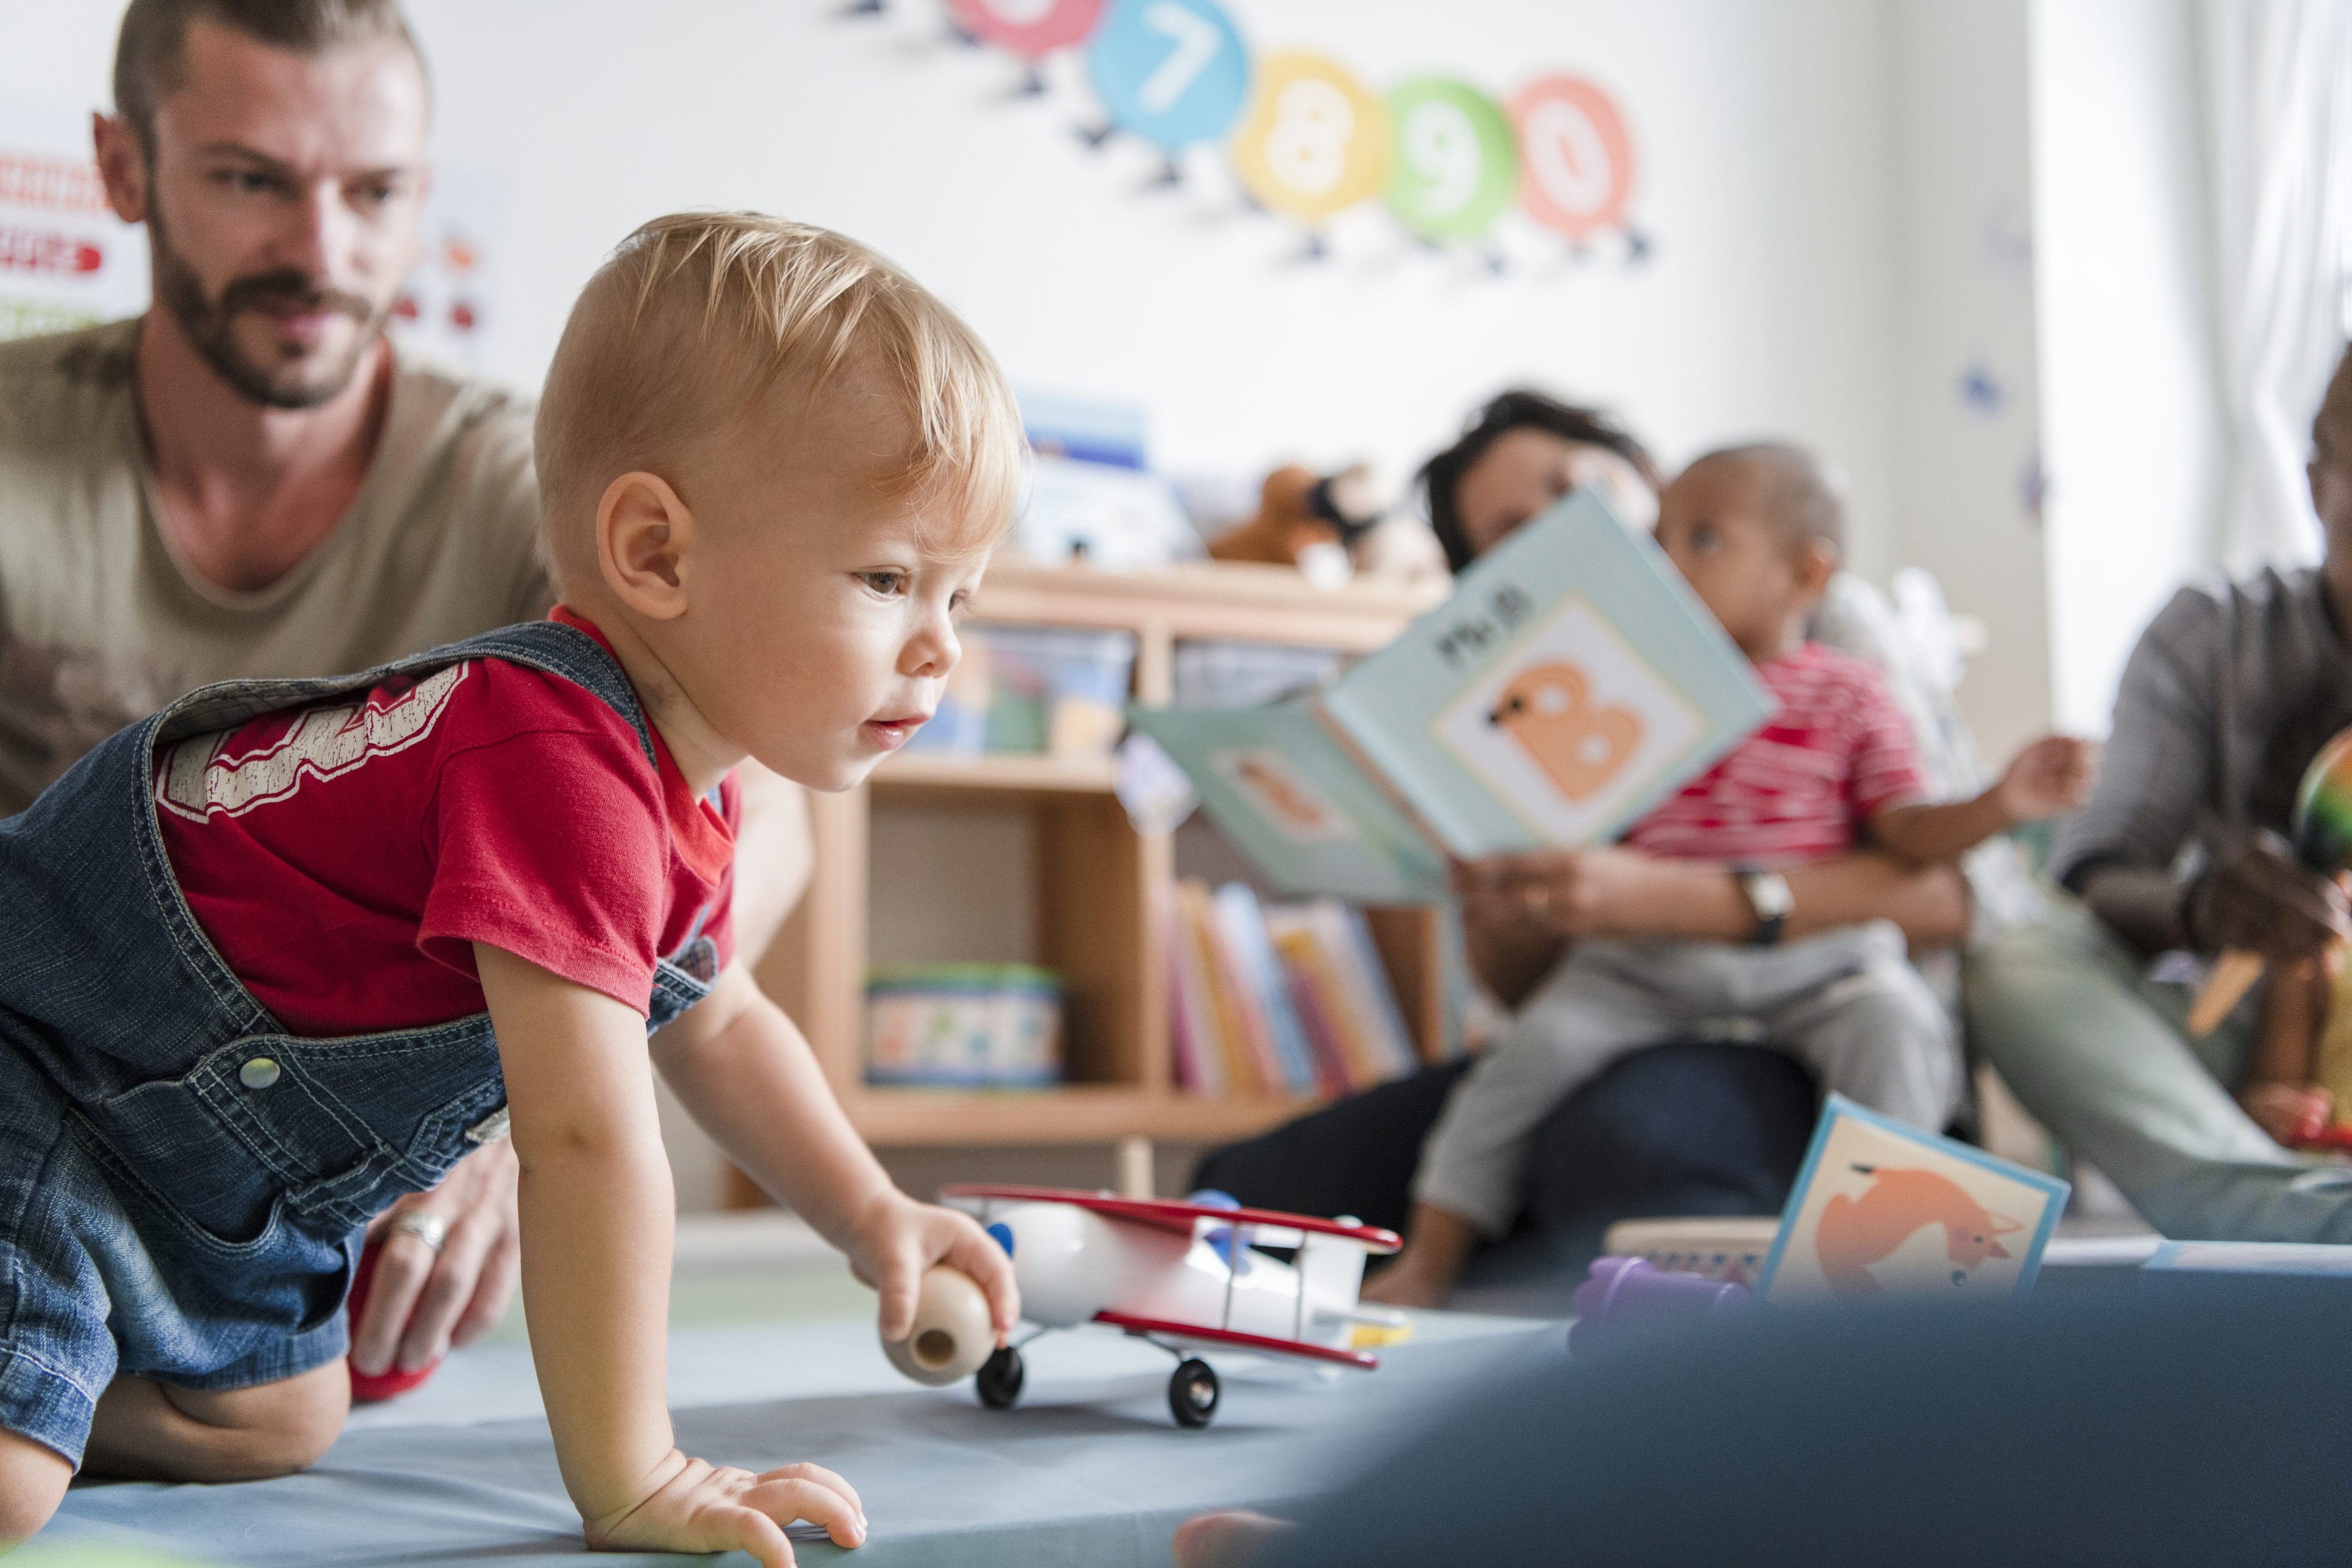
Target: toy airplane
[(1178, 1275)]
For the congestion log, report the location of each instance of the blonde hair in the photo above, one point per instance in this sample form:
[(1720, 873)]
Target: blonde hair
[(697, 317)]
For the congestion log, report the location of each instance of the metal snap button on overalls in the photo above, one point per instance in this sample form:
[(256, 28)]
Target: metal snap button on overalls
[(258, 1073)]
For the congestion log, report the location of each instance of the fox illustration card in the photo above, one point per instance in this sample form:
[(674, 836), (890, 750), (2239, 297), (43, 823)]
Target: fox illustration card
[(1570, 682), (1881, 1206)]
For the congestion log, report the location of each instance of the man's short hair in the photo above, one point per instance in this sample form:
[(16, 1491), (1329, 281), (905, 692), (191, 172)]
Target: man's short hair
[(151, 51), (1517, 409), (1799, 492), (700, 322)]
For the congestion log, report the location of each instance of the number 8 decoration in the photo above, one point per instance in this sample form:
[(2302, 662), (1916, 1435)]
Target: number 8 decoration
[(1457, 161), (1314, 141), (1174, 72)]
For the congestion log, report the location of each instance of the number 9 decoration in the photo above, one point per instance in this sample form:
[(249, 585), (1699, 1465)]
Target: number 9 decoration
[(1314, 140), (1576, 160), (1030, 28), (1171, 71), (1457, 161)]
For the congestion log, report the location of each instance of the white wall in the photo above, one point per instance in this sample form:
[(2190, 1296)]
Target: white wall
[(2128, 415), (1760, 122), (1967, 438)]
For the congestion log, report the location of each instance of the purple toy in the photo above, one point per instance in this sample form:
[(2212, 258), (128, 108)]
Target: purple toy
[(1627, 1291)]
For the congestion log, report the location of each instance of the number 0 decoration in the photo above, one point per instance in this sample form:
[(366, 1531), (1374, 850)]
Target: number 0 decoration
[(1308, 141)]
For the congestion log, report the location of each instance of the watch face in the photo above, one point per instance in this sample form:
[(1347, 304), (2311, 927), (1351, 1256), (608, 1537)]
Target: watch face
[(1768, 893)]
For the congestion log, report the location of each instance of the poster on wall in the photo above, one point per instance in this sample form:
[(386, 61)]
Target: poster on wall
[(449, 308), (66, 260)]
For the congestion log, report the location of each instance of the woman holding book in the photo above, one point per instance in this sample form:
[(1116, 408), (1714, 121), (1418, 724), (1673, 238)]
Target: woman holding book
[(1696, 1127)]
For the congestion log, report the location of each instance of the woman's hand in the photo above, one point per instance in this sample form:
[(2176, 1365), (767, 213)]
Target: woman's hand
[(426, 1299), (894, 1240), (693, 1506), (1607, 891)]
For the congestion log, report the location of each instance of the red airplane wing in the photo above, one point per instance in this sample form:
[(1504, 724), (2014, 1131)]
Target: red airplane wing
[(1166, 1214), (1362, 1359)]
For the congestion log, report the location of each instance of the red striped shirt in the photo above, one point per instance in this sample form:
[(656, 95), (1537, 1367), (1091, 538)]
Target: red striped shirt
[(1800, 788)]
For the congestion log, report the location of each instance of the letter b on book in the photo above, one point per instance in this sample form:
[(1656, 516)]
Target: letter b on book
[(1579, 745)]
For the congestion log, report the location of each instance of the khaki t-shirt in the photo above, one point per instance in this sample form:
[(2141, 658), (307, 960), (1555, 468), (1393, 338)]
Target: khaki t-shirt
[(100, 623)]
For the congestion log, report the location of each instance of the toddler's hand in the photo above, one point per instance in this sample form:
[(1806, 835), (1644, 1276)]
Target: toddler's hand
[(894, 1239), (2049, 778), (698, 1507)]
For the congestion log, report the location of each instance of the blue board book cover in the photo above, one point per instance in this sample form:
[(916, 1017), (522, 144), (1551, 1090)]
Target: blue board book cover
[(1880, 1205), (1571, 681)]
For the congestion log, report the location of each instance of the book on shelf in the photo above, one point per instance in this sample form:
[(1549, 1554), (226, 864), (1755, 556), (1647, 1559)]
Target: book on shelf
[(1571, 681), (1290, 1000)]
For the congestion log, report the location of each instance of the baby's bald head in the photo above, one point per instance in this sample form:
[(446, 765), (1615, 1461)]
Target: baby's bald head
[(1799, 494)]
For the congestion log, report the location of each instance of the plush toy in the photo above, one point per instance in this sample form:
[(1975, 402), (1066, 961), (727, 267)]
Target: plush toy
[(1330, 526)]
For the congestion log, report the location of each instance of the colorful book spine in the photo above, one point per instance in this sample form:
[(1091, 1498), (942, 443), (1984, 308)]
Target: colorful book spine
[(1243, 925), (1366, 982), (1319, 1011), (1245, 1074), (1199, 1059)]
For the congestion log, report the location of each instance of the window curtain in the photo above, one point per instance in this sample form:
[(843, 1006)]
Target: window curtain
[(2276, 130)]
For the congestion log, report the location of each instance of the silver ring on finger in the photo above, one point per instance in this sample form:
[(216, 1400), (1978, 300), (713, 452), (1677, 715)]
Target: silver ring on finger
[(429, 1228)]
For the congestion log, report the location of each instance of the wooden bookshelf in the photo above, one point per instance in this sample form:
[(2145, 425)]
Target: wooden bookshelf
[(1098, 881)]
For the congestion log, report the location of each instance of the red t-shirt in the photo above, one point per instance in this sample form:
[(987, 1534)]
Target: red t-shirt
[(1795, 792), (345, 858)]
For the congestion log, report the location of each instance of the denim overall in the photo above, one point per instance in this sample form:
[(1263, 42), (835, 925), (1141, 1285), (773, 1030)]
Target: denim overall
[(183, 1183)]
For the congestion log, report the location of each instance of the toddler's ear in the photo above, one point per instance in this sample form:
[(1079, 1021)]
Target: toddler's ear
[(644, 534), (1817, 562)]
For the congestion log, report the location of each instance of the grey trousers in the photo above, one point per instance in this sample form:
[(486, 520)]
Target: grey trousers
[(1845, 1002), (2096, 1051)]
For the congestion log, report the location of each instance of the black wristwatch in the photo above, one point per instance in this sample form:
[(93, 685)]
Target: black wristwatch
[(1768, 894)]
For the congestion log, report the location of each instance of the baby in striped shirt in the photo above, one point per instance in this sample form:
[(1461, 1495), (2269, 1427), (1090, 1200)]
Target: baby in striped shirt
[(1756, 530)]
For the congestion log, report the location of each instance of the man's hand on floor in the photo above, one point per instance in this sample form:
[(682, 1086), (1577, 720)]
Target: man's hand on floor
[(422, 1301)]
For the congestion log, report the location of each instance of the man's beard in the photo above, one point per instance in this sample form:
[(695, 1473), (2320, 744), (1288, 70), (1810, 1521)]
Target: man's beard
[(211, 323)]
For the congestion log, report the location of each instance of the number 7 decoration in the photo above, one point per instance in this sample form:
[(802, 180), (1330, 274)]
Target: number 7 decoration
[(1173, 73)]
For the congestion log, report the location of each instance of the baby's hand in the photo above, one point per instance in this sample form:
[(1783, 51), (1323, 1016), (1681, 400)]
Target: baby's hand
[(2049, 778), (698, 1507), (895, 1240)]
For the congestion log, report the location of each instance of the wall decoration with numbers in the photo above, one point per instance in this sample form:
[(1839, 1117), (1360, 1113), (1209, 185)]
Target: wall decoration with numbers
[(1315, 141), (1174, 72), (1458, 159), (1452, 164)]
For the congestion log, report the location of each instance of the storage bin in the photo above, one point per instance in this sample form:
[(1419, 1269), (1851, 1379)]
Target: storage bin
[(1218, 672), (963, 1025), (1056, 689)]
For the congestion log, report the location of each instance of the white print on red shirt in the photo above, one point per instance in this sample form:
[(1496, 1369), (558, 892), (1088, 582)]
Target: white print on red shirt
[(196, 780)]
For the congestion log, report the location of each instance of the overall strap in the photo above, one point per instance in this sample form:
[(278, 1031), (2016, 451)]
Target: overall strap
[(549, 646)]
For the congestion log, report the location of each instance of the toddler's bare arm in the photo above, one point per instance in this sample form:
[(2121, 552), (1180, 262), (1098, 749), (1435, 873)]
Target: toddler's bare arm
[(597, 1205), (2049, 778), (744, 1071)]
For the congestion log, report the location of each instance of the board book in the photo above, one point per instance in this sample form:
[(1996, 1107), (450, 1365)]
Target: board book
[(1571, 681), (1883, 1206)]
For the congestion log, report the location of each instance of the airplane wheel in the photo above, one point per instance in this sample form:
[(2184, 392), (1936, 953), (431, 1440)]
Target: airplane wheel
[(1192, 1394), (999, 1379)]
